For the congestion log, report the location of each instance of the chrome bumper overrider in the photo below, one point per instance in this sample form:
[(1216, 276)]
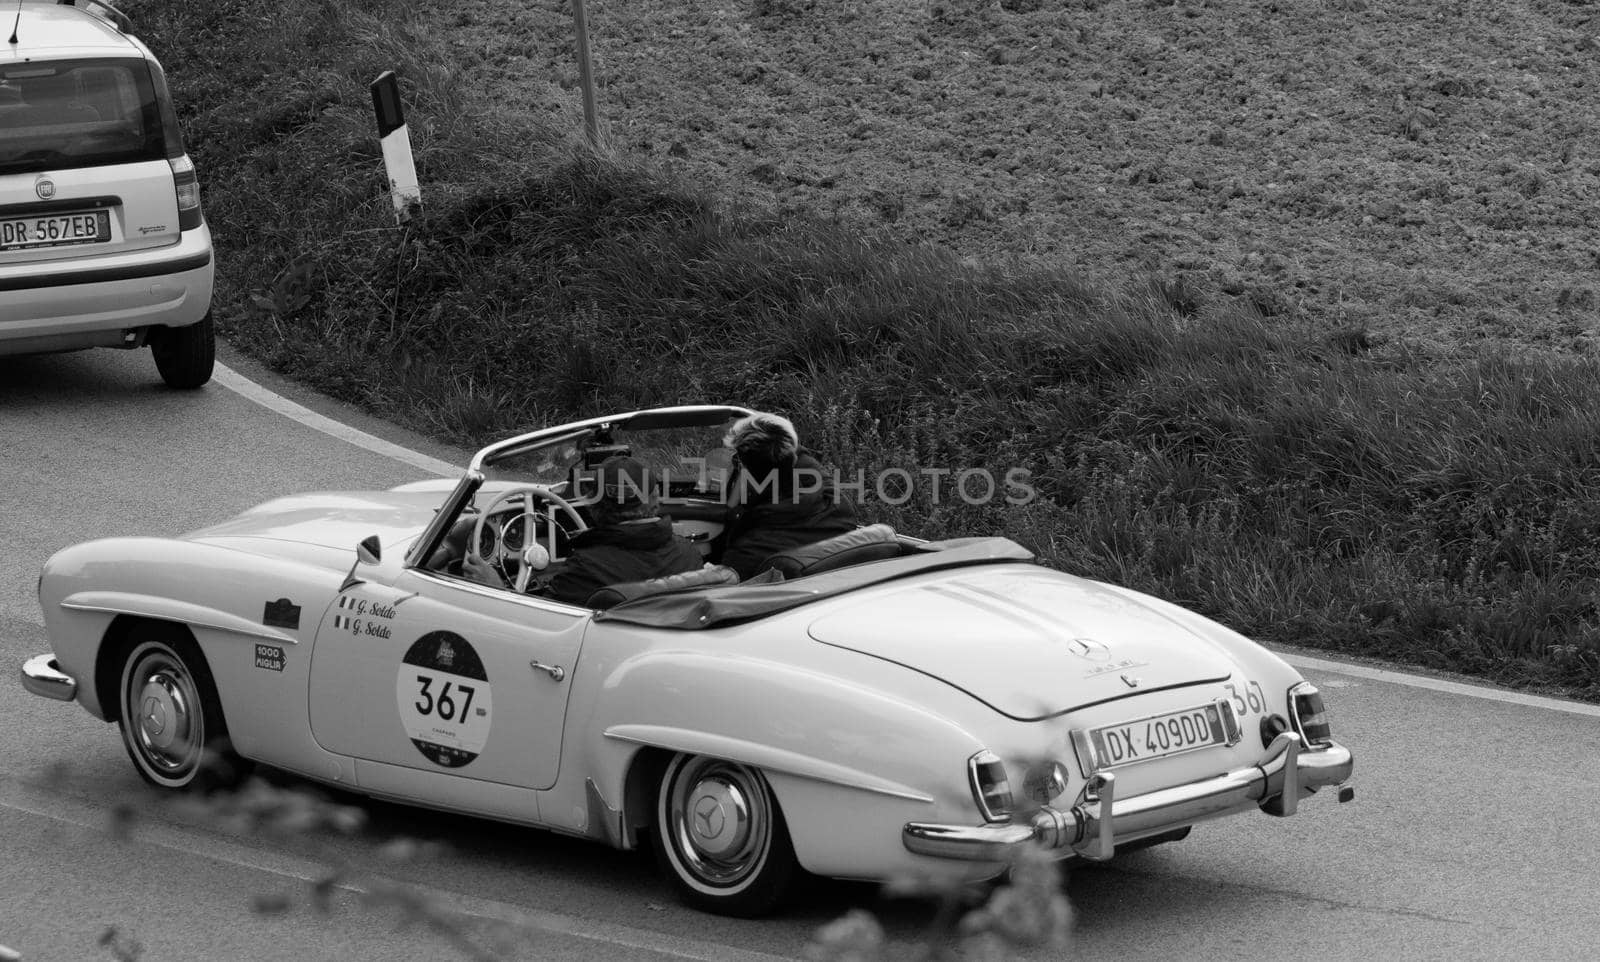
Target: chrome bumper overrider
[(1091, 827), (42, 676)]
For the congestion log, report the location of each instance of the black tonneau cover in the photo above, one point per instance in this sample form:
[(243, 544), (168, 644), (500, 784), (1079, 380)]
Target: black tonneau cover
[(711, 607)]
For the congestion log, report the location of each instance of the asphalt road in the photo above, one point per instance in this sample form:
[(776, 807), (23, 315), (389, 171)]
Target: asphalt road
[(1471, 836)]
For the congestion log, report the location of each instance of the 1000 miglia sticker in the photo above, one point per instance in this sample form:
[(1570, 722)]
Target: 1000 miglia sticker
[(443, 694)]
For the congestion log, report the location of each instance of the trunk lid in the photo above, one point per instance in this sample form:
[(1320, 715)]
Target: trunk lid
[(1028, 642)]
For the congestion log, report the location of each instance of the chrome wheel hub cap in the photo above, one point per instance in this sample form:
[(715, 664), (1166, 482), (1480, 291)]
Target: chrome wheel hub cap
[(163, 707), (720, 821), (719, 818)]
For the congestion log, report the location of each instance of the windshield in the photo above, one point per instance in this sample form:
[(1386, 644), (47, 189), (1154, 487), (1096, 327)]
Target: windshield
[(78, 113), (682, 461)]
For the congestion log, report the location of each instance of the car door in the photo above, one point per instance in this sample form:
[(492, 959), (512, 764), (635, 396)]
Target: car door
[(442, 674)]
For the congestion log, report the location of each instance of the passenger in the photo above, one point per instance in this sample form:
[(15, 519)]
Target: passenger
[(629, 541), (779, 498)]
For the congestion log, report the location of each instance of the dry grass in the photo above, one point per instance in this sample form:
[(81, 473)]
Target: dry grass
[(1422, 170)]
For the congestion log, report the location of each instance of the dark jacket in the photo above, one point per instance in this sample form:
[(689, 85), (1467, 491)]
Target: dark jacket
[(615, 554), (778, 518)]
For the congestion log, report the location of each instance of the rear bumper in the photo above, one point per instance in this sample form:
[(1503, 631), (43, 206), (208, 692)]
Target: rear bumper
[(42, 676), (1092, 827), (96, 301)]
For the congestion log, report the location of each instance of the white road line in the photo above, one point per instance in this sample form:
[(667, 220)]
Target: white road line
[(250, 390), (237, 382), (21, 797), (1448, 687)]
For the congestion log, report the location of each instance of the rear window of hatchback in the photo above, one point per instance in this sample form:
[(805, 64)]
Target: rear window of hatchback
[(79, 113)]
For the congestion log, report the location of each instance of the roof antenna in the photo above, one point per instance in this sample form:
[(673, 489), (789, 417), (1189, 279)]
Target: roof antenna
[(16, 23)]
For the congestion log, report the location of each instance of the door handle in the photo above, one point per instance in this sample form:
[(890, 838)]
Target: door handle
[(556, 672)]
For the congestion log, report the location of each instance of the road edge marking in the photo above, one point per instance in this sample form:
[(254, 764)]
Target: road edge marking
[(273, 401), (1443, 685)]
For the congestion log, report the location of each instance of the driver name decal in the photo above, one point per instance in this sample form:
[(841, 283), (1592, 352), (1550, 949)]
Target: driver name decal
[(443, 694), (363, 617)]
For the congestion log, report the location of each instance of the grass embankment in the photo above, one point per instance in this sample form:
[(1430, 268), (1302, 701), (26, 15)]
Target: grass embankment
[(1301, 489)]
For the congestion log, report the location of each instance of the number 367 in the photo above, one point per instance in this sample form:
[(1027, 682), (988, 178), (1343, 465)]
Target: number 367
[(444, 705), (1252, 702)]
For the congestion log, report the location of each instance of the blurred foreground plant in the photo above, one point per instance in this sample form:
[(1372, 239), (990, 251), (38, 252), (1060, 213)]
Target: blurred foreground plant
[(1027, 913), (302, 821)]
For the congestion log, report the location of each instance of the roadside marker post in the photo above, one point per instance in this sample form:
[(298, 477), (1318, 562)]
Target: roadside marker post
[(396, 142), (591, 120)]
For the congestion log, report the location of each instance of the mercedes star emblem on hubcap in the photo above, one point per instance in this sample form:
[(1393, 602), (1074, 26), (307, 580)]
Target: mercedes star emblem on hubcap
[(708, 818), (155, 718)]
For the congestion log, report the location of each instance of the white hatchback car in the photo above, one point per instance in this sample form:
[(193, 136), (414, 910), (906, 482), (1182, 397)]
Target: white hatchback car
[(102, 241)]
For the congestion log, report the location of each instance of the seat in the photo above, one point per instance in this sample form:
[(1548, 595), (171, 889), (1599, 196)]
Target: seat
[(709, 577), (875, 542)]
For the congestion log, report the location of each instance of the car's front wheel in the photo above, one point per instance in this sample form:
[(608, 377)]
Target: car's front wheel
[(719, 835), (185, 356), (170, 716)]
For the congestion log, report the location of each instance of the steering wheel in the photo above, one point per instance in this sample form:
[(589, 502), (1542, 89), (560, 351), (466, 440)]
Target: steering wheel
[(530, 493)]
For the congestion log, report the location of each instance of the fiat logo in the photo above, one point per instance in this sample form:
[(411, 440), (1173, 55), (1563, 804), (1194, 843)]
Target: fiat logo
[(45, 188)]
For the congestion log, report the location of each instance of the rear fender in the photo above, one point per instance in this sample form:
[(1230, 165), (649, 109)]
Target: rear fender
[(810, 732)]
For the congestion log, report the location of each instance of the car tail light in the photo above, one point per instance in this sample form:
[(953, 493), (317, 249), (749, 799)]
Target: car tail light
[(183, 174), (990, 787), (188, 188), (1310, 716)]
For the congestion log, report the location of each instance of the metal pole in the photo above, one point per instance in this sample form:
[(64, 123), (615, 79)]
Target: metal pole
[(591, 124)]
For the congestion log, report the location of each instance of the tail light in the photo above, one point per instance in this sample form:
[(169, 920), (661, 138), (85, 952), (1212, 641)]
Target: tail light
[(1310, 716), (188, 188), (183, 174), (990, 787)]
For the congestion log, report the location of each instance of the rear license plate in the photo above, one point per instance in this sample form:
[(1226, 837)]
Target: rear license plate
[(1158, 736), (86, 227)]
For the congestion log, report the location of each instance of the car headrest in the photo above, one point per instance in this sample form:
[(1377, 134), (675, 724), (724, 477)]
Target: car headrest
[(874, 542), (708, 577)]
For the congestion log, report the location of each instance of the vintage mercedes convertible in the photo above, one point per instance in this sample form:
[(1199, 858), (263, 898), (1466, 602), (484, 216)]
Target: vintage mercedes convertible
[(872, 706)]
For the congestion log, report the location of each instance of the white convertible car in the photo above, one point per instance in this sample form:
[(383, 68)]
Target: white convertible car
[(874, 706)]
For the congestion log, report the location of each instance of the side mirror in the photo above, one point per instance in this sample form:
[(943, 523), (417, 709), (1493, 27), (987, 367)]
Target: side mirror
[(368, 552)]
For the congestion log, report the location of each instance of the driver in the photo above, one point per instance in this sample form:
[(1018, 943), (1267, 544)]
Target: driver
[(629, 540)]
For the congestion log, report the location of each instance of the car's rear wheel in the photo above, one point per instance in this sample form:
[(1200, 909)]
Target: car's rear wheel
[(185, 356), (720, 837), (170, 716)]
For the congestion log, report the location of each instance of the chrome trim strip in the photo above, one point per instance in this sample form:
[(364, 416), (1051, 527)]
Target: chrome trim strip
[(1089, 830), (770, 759), (515, 445), (194, 616), (42, 676), (502, 594)]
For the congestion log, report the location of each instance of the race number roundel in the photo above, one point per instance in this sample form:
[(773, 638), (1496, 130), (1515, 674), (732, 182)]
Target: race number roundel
[(443, 694)]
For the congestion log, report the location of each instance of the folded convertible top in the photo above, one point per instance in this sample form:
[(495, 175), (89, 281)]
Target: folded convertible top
[(712, 607)]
